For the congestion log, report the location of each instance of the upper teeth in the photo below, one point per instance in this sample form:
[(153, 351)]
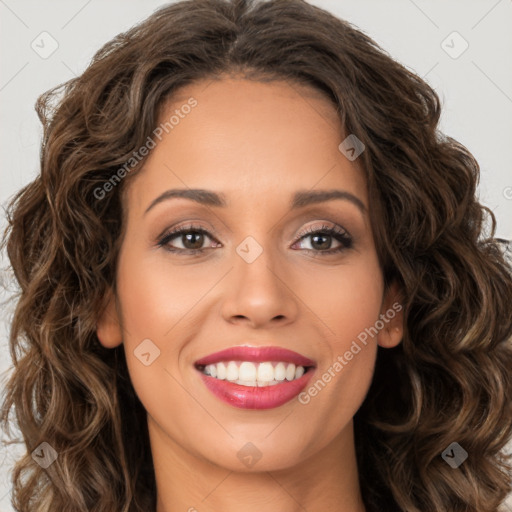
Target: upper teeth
[(254, 374)]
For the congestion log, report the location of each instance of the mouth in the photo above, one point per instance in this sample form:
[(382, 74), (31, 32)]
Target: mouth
[(248, 373), (255, 377)]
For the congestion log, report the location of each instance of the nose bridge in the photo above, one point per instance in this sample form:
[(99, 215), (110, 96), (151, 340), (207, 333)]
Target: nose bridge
[(257, 290)]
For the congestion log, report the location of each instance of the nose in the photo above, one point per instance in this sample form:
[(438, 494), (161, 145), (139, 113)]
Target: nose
[(259, 294)]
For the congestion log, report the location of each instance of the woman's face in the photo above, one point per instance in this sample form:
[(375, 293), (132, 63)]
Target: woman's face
[(267, 156)]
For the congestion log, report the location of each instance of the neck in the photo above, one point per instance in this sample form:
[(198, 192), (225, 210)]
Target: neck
[(326, 481)]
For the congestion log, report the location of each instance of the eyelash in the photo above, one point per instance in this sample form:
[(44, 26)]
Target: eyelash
[(339, 234)]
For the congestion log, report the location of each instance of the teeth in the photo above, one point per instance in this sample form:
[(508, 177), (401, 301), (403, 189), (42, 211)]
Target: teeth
[(221, 370), (248, 373), (232, 371), (290, 372), (247, 382), (266, 372), (256, 383), (280, 371)]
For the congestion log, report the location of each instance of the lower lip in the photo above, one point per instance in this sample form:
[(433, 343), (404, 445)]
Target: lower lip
[(250, 397)]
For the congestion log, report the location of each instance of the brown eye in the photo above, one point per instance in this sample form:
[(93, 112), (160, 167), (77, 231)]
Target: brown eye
[(322, 239), (191, 239)]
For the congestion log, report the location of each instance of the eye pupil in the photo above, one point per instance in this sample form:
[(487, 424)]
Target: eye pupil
[(321, 245), (189, 237)]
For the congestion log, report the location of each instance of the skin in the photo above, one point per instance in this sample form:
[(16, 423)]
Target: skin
[(257, 143)]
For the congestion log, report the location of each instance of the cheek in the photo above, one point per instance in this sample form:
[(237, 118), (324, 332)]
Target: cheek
[(157, 295), (347, 301), (157, 302), (348, 309)]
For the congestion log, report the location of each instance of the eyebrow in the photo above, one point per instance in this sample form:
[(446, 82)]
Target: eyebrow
[(300, 199)]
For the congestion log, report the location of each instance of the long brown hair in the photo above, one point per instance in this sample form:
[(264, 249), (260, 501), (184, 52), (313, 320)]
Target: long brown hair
[(449, 380)]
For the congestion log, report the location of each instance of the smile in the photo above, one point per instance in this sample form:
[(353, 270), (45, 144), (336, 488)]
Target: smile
[(255, 377), (248, 373)]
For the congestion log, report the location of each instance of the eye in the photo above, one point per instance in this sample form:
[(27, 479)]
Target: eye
[(191, 237), (321, 239)]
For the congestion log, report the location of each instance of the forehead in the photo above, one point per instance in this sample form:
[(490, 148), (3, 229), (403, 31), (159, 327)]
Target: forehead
[(249, 139)]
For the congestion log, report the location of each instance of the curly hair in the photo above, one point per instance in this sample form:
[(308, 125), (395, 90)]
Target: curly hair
[(448, 381)]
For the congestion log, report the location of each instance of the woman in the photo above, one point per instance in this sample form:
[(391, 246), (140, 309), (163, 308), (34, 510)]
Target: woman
[(254, 274)]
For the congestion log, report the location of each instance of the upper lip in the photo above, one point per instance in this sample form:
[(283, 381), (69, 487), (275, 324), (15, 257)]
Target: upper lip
[(256, 355)]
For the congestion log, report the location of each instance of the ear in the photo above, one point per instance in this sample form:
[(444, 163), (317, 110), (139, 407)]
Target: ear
[(108, 327), (392, 317)]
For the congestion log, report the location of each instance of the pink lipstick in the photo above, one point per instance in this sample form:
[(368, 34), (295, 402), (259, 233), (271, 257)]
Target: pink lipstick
[(255, 377)]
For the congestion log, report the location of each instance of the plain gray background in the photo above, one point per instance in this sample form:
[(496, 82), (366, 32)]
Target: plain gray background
[(474, 83)]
